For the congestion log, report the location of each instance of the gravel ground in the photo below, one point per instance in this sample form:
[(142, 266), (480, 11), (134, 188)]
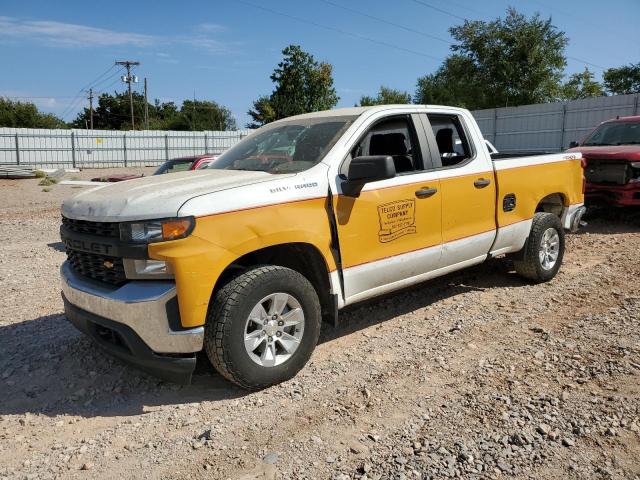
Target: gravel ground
[(473, 375)]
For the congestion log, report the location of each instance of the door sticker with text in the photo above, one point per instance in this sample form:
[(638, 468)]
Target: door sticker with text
[(396, 219)]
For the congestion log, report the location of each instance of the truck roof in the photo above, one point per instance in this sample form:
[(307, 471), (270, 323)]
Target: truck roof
[(353, 111)]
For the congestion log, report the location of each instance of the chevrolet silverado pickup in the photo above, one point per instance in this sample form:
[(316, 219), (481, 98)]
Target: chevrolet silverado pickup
[(611, 154), (303, 217)]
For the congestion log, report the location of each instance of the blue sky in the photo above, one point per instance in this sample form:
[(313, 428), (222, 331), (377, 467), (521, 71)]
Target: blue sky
[(226, 50)]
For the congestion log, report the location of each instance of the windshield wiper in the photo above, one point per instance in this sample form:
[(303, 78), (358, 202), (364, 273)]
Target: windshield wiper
[(628, 143), (597, 144)]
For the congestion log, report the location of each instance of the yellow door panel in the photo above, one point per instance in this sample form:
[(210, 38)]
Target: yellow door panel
[(389, 221), (466, 209)]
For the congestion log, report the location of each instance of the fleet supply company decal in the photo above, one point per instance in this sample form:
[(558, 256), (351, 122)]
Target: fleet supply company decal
[(396, 219)]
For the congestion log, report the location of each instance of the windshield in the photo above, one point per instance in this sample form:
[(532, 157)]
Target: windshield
[(620, 133), (171, 166), (285, 147)]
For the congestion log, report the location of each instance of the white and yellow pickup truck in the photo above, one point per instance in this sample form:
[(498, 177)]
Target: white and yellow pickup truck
[(301, 218)]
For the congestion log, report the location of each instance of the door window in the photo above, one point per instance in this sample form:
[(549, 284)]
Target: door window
[(451, 139), (396, 138)]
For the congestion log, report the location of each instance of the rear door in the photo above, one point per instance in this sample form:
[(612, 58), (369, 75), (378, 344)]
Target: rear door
[(391, 233), (468, 190)]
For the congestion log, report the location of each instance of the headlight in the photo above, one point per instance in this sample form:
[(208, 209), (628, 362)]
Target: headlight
[(635, 164), (156, 230)]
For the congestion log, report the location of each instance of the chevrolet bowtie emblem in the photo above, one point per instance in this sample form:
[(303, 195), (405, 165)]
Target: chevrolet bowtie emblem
[(108, 264)]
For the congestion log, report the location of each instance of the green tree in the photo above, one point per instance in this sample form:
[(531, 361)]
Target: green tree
[(622, 80), (200, 115), (581, 85), (302, 85), (26, 115), (113, 113), (512, 61), (262, 112), (386, 96)]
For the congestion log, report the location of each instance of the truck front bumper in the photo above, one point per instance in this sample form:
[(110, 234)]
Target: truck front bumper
[(138, 322)]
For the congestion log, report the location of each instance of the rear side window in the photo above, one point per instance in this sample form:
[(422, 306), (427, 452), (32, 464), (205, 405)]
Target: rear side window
[(393, 137), (451, 139)]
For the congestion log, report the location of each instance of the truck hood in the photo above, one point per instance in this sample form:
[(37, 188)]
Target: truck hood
[(156, 196), (630, 153)]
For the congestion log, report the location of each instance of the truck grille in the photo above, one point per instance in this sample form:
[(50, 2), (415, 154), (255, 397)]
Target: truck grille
[(103, 268), (607, 171), (99, 267), (101, 229)]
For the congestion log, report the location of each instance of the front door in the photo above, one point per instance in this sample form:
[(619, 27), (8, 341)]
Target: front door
[(391, 233)]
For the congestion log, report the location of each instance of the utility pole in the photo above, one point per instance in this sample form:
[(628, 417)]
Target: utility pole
[(129, 79), (91, 108), (146, 106)]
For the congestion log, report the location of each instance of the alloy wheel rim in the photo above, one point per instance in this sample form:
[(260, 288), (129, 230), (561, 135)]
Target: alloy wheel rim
[(273, 331), (549, 248)]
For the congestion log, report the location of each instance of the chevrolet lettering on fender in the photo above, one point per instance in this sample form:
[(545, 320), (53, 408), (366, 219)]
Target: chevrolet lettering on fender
[(306, 215)]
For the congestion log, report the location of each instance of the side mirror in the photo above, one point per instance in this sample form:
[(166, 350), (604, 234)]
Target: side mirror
[(367, 169), (573, 144)]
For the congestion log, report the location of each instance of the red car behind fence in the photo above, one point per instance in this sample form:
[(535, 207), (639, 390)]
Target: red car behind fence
[(195, 162)]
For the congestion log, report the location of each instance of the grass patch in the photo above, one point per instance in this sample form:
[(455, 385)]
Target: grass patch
[(40, 174), (46, 189), (47, 181)]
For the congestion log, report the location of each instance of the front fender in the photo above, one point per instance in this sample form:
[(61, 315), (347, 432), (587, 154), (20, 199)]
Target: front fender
[(218, 240)]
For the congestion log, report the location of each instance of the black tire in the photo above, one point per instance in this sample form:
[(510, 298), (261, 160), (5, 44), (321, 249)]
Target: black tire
[(529, 265), (226, 321)]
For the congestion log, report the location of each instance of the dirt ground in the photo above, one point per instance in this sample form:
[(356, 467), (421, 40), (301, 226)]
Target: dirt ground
[(474, 375)]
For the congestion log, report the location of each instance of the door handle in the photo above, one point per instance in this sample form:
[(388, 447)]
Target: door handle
[(481, 182), (425, 192)]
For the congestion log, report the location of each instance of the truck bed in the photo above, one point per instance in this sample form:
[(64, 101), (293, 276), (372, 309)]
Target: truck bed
[(518, 154)]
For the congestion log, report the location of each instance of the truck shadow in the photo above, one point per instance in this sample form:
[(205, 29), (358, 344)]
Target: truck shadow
[(491, 274), (49, 368), (611, 220)]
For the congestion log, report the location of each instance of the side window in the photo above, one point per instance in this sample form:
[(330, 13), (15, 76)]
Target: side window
[(453, 144), (394, 137)]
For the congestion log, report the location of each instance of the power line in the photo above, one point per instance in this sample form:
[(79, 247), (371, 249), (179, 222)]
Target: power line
[(104, 89), (115, 74), (437, 9), (382, 20), (340, 31)]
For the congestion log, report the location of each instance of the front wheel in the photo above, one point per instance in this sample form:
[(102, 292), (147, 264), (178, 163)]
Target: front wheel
[(543, 252), (263, 326)]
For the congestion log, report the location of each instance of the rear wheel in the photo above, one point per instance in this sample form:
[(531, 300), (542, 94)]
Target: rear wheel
[(543, 252), (263, 326)]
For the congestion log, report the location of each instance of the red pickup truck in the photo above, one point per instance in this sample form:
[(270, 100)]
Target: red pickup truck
[(612, 157)]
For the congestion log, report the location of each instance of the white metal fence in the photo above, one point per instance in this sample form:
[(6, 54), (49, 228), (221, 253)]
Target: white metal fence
[(541, 127), (104, 148), (551, 126)]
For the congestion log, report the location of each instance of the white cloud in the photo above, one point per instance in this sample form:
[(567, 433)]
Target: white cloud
[(210, 27), (70, 34), (60, 34)]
